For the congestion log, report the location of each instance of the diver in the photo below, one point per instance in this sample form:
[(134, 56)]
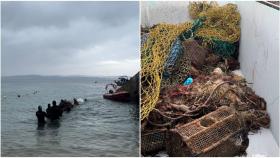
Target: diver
[(70, 105), (49, 111), (57, 109), (56, 112), (75, 101), (41, 115), (65, 105), (61, 105)]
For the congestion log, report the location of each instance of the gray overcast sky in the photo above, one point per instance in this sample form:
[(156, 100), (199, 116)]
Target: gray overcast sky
[(70, 38)]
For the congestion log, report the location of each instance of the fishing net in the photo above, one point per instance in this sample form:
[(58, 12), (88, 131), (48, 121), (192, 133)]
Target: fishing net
[(206, 50), (216, 27), (221, 30), (191, 54), (197, 7), (206, 94), (153, 56)]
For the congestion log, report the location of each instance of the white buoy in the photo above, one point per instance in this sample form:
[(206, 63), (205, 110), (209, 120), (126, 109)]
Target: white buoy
[(80, 100)]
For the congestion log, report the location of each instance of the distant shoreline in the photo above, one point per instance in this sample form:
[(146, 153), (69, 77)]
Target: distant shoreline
[(61, 76)]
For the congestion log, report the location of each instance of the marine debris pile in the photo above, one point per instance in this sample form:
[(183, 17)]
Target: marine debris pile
[(189, 74)]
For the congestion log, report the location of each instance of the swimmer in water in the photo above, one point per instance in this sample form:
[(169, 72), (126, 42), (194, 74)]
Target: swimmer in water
[(41, 115)]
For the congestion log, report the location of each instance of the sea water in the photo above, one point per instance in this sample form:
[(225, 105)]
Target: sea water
[(98, 127)]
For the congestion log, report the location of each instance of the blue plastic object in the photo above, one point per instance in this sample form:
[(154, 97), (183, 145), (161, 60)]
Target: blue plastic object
[(188, 81)]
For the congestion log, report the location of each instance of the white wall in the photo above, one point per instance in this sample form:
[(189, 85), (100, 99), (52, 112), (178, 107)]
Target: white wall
[(154, 12), (259, 54), (173, 12), (259, 45)]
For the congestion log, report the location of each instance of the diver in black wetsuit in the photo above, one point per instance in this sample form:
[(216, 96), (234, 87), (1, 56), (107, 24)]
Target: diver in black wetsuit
[(75, 101), (49, 111), (55, 111), (41, 115)]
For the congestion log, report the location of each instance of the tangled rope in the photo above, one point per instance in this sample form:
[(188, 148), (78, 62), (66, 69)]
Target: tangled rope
[(216, 26)]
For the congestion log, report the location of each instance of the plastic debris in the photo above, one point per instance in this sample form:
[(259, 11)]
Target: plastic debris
[(217, 71), (188, 81)]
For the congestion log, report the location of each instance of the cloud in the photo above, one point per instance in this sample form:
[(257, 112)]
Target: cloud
[(69, 38), (109, 62)]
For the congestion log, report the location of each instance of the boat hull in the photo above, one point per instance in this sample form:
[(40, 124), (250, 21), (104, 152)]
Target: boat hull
[(118, 96)]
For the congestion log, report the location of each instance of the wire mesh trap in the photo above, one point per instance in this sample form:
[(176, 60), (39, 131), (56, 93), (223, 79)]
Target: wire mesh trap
[(153, 141), (220, 133)]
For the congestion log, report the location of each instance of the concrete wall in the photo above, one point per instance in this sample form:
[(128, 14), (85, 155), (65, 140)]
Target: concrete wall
[(259, 45)]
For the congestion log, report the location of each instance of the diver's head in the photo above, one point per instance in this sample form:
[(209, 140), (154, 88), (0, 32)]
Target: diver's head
[(39, 108), (54, 103)]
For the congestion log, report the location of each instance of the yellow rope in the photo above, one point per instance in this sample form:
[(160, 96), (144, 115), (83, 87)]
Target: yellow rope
[(154, 54)]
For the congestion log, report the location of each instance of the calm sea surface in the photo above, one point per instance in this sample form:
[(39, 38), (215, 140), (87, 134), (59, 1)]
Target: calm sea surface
[(97, 128)]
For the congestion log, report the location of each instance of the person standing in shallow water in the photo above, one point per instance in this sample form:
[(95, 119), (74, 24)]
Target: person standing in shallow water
[(76, 101), (41, 115), (49, 111), (56, 111)]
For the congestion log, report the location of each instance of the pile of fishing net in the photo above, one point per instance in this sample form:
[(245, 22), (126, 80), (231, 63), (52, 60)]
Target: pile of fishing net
[(205, 50), (216, 28), (182, 104), (220, 30)]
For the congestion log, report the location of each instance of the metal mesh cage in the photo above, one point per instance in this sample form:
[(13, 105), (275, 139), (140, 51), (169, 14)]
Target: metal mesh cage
[(153, 141), (219, 133)]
